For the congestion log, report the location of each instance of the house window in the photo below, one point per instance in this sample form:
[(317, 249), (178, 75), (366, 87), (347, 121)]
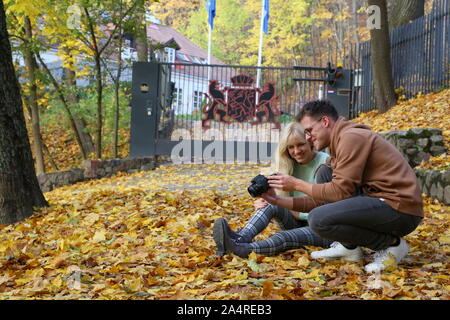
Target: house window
[(177, 98), (169, 55), (197, 99)]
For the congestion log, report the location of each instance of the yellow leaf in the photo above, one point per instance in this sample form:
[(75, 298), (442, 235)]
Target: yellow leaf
[(61, 244), (135, 285), (149, 242), (253, 264), (243, 275), (444, 239), (57, 282), (160, 271), (303, 262), (91, 218), (390, 263), (99, 236)]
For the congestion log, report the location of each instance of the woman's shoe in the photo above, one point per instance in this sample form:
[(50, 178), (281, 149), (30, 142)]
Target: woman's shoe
[(221, 231)]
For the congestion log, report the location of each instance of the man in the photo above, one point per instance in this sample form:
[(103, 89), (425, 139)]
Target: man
[(389, 208)]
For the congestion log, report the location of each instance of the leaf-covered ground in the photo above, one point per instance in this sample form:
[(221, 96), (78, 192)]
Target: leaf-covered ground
[(424, 111), (149, 236)]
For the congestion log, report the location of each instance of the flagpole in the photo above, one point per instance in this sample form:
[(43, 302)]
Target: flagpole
[(261, 33), (209, 50)]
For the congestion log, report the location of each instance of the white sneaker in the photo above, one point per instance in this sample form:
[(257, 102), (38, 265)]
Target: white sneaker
[(338, 251), (381, 258)]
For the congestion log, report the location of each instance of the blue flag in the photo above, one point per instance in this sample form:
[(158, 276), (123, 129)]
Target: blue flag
[(266, 16), (211, 7)]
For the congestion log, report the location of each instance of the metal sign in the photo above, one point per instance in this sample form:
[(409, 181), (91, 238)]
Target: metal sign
[(239, 103)]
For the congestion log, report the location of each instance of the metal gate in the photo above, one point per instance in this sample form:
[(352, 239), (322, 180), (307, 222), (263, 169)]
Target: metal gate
[(217, 113)]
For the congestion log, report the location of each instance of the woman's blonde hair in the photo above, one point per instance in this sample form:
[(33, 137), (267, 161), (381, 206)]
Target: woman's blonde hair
[(283, 161)]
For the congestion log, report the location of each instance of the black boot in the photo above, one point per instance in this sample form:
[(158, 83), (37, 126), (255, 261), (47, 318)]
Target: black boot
[(240, 249), (221, 232)]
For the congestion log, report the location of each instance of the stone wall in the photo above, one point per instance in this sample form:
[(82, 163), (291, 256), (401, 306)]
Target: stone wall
[(50, 181), (435, 184), (94, 169), (417, 144)]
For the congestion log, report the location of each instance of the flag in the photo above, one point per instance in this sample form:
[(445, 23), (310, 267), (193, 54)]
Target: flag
[(211, 7), (266, 17)]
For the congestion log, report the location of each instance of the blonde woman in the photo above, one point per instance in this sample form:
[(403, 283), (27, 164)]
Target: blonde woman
[(295, 158)]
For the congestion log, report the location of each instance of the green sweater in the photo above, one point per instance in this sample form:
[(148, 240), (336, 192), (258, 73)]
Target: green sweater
[(306, 171)]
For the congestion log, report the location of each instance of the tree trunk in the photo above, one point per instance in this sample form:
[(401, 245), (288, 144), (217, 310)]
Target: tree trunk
[(31, 71), (98, 74), (117, 100), (141, 35), (65, 105), (381, 61), (44, 147), (404, 11), (80, 123), (19, 187), (98, 145), (355, 25)]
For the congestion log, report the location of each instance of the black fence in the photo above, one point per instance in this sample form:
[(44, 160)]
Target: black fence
[(190, 87), (420, 54)]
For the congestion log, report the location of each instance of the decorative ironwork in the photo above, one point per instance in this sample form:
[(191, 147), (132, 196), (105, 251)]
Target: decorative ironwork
[(239, 103)]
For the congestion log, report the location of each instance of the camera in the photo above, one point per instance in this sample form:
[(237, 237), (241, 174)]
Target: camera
[(259, 185)]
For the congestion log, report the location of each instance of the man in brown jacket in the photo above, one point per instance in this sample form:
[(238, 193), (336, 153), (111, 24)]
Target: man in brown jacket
[(371, 198)]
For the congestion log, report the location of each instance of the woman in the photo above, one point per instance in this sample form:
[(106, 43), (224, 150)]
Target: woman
[(295, 159)]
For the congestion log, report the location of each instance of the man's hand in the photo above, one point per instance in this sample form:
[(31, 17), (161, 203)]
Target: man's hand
[(288, 183), (283, 182), (260, 203)]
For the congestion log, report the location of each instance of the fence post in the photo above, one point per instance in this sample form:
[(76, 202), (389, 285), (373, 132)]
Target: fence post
[(144, 104)]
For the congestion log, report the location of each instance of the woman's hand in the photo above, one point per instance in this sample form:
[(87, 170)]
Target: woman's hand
[(270, 196), (260, 203), (283, 182), (295, 214)]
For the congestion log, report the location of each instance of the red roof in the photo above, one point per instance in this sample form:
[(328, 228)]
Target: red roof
[(162, 34)]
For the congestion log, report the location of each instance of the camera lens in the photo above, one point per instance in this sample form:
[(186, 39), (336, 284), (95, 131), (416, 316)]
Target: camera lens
[(253, 191)]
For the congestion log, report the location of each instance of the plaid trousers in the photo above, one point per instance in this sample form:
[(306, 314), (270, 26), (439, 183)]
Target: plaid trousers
[(296, 234)]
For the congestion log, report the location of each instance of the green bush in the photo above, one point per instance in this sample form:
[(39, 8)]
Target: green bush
[(56, 115)]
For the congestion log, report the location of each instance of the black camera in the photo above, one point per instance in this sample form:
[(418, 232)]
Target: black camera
[(259, 185)]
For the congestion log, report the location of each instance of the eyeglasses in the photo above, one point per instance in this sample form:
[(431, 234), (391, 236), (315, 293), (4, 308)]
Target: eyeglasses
[(309, 130)]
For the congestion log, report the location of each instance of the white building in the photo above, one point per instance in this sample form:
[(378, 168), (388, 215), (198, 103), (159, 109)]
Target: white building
[(191, 82)]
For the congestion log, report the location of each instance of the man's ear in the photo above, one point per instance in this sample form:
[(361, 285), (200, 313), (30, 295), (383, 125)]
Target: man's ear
[(327, 121)]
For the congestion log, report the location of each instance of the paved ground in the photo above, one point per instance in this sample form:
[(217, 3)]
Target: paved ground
[(191, 177)]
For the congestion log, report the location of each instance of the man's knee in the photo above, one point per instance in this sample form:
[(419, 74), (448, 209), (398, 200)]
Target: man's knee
[(317, 220), (324, 174)]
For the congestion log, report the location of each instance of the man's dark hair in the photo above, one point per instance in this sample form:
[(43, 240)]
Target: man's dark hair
[(316, 109)]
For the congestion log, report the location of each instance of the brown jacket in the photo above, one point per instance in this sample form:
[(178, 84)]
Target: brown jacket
[(361, 158)]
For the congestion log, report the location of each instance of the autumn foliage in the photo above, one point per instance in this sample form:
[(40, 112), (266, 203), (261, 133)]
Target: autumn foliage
[(149, 236)]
